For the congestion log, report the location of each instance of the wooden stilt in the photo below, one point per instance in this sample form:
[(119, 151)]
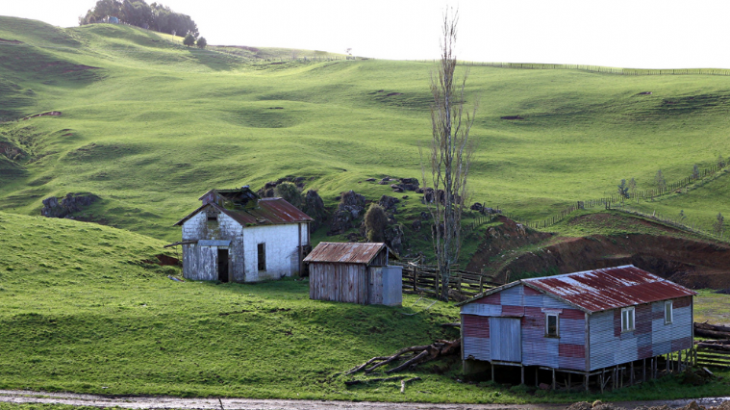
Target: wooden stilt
[(569, 382), (643, 369), (522, 374), (631, 376), (492, 366), (537, 379), (586, 380), (554, 382), (666, 367)]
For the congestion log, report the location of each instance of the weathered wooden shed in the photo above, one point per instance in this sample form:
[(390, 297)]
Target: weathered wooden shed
[(582, 323), (238, 237), (354, 273)]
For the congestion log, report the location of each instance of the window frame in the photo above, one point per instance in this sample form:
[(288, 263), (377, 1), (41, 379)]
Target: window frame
[(630, 319), (557, 324), (261, 256), (669, 320)]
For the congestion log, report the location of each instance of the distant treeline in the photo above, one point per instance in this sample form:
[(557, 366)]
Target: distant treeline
[(138, 13)]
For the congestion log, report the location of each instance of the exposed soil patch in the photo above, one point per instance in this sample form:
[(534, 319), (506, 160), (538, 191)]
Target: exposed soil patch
[(690, 262), (2, 40), (511, 117), (644, 93), (393, 94)]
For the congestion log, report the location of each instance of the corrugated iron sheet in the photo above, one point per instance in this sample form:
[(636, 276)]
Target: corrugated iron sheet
[(268, 211), (610, 288), (346, 252)]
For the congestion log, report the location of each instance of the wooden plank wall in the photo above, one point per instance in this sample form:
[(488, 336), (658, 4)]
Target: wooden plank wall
[(338, 282)]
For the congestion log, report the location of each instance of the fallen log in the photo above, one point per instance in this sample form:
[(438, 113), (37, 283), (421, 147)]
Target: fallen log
[(396, 356), (379, 379), (709, 326), (426, 353), (405, 365), (712, 334), (362, 366)]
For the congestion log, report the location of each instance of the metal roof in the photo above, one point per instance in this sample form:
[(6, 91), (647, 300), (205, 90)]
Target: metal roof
[(603, 289), (268, 211), (347, 252)]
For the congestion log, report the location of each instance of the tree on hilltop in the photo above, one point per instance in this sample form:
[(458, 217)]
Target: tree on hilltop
[(202, 42)]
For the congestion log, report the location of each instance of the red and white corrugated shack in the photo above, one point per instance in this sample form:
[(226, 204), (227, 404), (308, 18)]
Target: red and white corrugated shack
[(614, 320)]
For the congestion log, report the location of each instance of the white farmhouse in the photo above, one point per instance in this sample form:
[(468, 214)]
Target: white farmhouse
[(238, 237)]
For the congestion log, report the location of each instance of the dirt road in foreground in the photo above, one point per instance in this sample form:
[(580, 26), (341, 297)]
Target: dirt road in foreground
[(162, 402)]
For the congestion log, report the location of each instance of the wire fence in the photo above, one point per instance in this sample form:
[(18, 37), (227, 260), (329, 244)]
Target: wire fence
[(623, 203)]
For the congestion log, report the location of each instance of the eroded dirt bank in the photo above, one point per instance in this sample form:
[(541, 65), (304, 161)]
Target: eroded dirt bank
[(510, 249)]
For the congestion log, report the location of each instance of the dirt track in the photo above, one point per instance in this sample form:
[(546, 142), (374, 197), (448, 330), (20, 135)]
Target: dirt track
[(161, 402)]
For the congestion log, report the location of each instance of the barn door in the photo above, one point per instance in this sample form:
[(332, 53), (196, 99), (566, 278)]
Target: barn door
[(505, 334)]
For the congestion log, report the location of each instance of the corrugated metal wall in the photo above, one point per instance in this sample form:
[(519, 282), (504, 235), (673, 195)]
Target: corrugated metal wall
[(610, 347), (565, 352), (393, 285)]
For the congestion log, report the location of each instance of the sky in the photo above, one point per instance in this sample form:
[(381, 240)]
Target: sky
[(617, 33)]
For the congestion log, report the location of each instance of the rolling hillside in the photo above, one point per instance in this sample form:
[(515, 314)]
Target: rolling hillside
[(148, 125)]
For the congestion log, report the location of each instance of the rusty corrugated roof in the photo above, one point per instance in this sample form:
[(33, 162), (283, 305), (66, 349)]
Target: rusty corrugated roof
[(347, 252), (268, 211), (603, 289)]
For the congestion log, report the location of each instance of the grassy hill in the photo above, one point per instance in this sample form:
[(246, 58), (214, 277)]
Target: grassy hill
[(148, 125), (80, 311)]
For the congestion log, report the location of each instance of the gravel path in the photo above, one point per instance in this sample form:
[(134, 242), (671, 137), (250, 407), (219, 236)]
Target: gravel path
[(163, 402)]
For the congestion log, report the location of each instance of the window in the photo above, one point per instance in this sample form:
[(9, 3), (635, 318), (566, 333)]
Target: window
[(551, 325), (262, 256), (668, 313), (628, 319)]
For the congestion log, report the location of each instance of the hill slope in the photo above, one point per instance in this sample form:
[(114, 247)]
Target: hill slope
[(153, 124)]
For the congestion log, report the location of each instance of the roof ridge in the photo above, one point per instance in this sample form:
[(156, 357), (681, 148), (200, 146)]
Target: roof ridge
[(580, 272)]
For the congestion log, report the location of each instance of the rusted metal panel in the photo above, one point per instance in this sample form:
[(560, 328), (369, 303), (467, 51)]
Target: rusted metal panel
[(610, 288), (347, 252), (267, 211), (475, 342)]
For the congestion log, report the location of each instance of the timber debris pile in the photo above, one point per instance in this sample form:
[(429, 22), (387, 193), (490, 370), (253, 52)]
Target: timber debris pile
[(410, 357)]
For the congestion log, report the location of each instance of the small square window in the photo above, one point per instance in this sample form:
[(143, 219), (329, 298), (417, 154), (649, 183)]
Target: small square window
[(668, 313), (552, 325), (628, 319)]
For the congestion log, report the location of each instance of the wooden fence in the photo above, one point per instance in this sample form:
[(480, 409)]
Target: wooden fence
[(427, 279), (619, 203), (712, 354)]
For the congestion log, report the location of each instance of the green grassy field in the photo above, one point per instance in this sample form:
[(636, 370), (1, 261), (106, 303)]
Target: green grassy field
[(157, 124), (81, 312), (149, 125)]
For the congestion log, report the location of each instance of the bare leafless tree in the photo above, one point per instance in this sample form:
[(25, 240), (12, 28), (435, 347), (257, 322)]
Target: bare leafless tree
[(451, 152)]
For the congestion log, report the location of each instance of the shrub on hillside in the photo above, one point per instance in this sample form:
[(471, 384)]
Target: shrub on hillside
[(202, 42), (376, 221), (189, 40), (290, 193)]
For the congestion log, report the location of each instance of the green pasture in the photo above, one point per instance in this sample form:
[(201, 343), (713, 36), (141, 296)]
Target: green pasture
[(156, 124), (81, 311)]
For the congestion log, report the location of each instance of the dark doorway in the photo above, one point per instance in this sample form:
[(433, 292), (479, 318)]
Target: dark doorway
[(223, 265)]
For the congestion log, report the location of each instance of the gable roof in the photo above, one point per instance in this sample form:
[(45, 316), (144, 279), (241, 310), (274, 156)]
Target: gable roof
[(268, 211), (602, 289), (347, 252)]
